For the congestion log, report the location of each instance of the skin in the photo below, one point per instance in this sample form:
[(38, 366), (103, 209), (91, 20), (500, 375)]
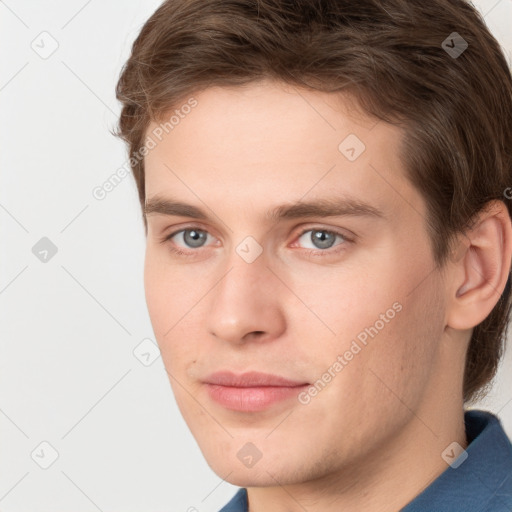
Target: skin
[(372, 438)]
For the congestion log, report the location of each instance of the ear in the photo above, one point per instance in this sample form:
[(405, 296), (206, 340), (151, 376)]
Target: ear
[(481, 267)]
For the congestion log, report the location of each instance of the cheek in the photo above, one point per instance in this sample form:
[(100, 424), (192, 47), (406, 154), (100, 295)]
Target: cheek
[(339, 302), (403, 357), (170, 292), (384, 319), (157, 294), (169, 306)]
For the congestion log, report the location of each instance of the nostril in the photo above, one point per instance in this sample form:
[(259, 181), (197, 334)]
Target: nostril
[(255, 334)]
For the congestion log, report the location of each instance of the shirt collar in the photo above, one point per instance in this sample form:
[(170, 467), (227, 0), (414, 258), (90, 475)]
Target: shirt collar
[(483, 482)]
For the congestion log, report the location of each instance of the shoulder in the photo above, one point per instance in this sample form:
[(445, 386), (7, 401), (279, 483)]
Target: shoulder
[(238, 502)]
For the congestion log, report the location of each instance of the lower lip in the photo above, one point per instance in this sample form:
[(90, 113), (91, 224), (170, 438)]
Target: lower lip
[(251, 399)]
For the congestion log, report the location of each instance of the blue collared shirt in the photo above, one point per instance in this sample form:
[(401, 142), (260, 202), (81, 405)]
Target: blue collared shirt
[(482, 483)]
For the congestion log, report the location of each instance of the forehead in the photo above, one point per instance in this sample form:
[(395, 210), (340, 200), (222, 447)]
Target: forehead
[(266, 143)]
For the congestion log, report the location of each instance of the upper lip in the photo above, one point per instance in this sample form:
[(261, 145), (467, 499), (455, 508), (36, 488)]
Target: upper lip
[(250, 379)]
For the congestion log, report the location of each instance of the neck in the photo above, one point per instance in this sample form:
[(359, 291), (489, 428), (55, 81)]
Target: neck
[(385, 480)]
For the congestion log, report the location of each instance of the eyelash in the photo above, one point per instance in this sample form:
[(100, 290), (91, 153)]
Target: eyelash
[(309, 252)]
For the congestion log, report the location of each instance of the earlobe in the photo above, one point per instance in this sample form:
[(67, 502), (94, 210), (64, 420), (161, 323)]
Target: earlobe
[(482, 267)]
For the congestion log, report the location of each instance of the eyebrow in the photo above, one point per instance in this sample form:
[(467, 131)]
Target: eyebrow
[(326, 207)]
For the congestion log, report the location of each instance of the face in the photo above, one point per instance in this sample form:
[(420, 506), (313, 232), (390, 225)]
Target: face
[(303, 254)]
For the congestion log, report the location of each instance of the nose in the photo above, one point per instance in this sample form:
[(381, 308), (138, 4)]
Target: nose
[(246, 304)]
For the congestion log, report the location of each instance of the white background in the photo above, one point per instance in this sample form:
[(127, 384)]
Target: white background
[(68, 375)]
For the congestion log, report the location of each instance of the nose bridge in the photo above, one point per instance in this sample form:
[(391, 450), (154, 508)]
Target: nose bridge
[(245, 300)]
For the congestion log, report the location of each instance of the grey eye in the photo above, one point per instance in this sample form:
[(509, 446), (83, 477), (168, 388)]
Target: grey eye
[(323, 239), (320, 238), (194, 237)]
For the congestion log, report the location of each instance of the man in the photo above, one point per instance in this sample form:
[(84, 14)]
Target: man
[(328, 245)]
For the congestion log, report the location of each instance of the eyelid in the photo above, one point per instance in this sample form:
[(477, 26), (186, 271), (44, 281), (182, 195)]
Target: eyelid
[(347, 235)]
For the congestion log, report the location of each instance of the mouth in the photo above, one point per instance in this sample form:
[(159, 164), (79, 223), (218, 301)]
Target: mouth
[(252, 391)]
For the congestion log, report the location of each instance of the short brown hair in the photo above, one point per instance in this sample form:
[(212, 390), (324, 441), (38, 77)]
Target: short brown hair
[(393, 57)]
